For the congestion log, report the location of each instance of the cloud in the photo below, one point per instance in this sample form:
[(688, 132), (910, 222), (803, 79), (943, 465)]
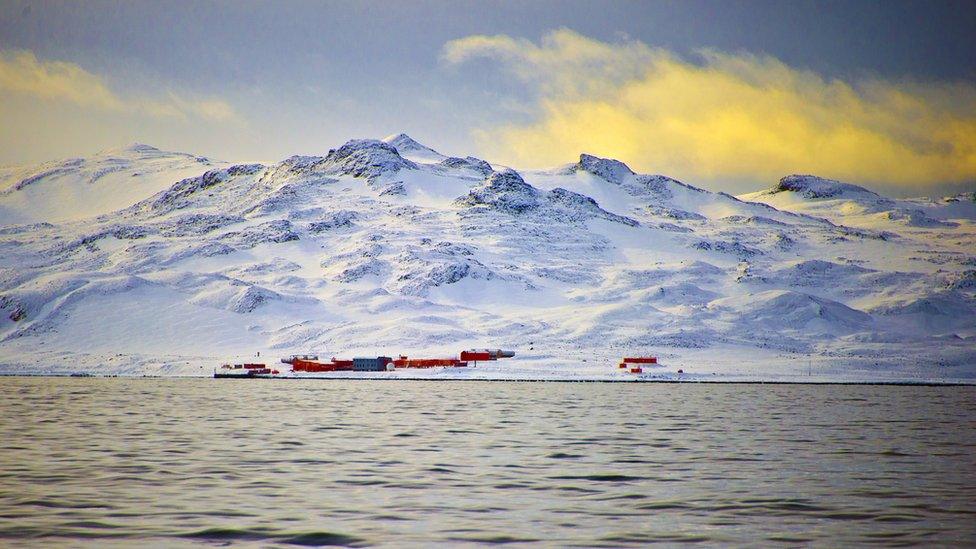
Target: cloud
[(22, 73), (555, 65), (726, 116)]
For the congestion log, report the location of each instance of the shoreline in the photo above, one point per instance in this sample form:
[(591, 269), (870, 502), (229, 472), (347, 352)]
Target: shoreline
[(896, 383)]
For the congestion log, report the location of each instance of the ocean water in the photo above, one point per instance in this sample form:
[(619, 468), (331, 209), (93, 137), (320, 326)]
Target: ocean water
[(157, 462)]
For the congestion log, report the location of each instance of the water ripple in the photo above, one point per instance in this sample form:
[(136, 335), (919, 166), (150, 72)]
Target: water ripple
[(88, 461)]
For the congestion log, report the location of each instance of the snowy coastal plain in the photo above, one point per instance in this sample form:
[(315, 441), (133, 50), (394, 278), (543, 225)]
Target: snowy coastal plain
[(138, 261)]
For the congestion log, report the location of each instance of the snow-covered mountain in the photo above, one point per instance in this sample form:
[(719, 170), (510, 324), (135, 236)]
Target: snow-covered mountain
[(142, 261)]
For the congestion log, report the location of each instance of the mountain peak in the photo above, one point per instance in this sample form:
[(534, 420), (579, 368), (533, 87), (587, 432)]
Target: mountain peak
[(811, 186), (131, 149), (612, 170), (353, 145), (407, 145), (139, 147), (368, 158), (399, 138)]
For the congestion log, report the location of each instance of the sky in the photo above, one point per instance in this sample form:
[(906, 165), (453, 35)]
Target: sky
[(728, 95)]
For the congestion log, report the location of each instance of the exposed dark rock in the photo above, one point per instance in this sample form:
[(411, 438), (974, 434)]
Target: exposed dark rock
[(503, 191)]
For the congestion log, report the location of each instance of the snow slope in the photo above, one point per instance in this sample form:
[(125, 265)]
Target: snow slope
[(77, 188), (387, 246)]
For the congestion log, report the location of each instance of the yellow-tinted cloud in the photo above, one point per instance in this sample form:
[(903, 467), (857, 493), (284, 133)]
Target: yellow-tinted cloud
[(731, 116), (556, 64), (23, 74)]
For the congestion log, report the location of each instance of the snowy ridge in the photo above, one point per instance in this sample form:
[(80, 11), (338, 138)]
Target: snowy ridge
[(383, 246), (848, 204), (810, 186), (82, 187)]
